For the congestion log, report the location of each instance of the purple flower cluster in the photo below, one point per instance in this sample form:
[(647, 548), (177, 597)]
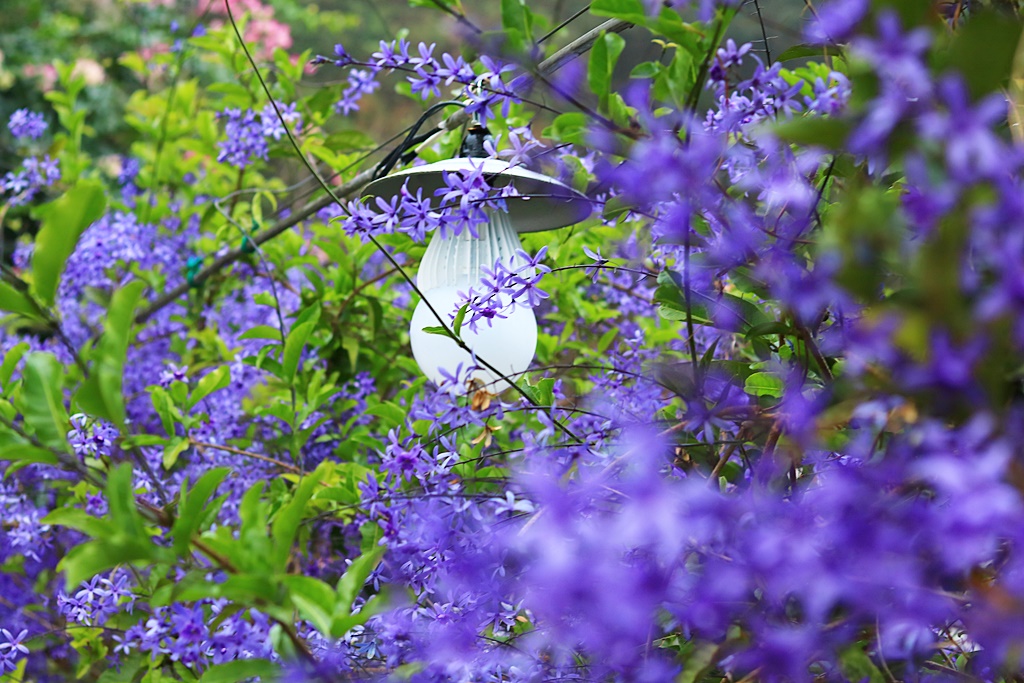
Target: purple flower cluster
[(245, 141), (184, 634), (504, 287), (462, 204), (274, 125), (35, 174), (97, 600), (25, 124), (24, 533), (91, 438), (427, 75), (764, 95), (248, 132)]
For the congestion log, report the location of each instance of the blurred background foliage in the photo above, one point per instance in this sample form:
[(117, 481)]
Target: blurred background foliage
[(93, 36)]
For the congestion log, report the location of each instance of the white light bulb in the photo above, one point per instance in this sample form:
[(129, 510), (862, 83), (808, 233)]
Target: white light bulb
[(508, 344), (454, 264)]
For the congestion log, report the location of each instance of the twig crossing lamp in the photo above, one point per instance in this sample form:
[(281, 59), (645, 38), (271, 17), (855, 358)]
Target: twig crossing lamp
[(453, 264)]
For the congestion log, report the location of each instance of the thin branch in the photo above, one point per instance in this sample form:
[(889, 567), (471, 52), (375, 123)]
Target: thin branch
[(202, 445), (565, 23), (764, 33)]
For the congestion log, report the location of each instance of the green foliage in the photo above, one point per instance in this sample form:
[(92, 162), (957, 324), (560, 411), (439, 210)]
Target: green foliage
[(42, 402), (63, 222), (118, 538), (100, 393)]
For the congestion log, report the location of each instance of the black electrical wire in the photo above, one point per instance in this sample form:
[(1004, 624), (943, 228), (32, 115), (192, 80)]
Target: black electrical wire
[(411, 139)]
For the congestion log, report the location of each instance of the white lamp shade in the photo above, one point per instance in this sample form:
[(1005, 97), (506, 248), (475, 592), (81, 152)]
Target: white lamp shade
[(544, 204), (508, 344)]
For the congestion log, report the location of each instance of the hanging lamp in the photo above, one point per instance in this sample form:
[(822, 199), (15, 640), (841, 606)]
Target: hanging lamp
[(454, 264)]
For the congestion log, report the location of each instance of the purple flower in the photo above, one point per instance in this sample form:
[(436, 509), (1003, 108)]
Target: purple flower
[(511, 505), (454, 69), (11, 649), (392, 55), (418, 217), (343, 57), (834, 21)]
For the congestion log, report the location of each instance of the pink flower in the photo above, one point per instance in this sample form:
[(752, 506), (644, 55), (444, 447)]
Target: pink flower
[(90, 70), (268, 35), (46, 73)]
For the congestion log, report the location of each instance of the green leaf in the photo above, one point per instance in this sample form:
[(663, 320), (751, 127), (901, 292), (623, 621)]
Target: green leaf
[(768, 329), (165, 408), (698, 663), (516, 22), (286, 524), (121, 501), (261, 332), (18, 674), (646, 70), (342, 624), (135, 440), (802, 51), (43, 401), (542, 393), (192, 508), (89, 559), (437, 329), (175, 447), (615, 207), (606, 339), (74, 518), (983, 51), (393, 414), (63, 222), (764, 384), (350, 141), (314, 599), (240, 670), (27, 453), (17, 302), (250, 511), (730, 311), (817, 131), (447, 4), (265, 299), (11, 358), (293, 345), (603, 56), (628, 10), (101, 393), (857, 666), (351, 346), (569, 127), (350, 585), (459, 317), (215, 380)]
